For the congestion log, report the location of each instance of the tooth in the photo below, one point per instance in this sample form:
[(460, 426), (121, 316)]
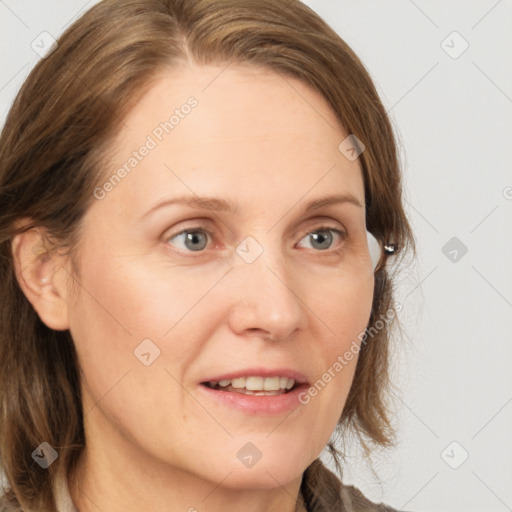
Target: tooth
[(238, 383), (271, 383), (254, 383)]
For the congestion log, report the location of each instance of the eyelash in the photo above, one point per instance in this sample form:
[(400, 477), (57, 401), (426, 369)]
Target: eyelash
[(342, 234)]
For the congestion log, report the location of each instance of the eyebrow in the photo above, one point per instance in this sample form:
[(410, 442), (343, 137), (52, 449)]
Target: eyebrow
[(216, 204)]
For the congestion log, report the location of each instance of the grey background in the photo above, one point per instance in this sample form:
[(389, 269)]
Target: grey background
[(453, 117)]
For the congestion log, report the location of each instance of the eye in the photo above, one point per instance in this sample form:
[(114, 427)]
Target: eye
[(194, 239), (322, 237)]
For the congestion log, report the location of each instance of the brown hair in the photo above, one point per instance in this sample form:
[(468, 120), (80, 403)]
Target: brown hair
[(51, 149)]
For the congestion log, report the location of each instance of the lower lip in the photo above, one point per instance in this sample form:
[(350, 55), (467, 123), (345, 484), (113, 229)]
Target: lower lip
[(257, 404)]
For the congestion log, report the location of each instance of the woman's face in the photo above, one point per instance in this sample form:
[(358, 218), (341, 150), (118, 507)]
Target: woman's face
[(248, 283)]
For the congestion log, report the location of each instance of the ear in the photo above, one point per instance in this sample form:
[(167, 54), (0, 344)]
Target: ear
[(42, 277)]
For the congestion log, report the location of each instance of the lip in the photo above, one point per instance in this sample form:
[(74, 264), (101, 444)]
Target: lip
[(257, 404)]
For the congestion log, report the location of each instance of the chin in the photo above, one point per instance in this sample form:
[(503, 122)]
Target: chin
[(273, 468), (262, 478)]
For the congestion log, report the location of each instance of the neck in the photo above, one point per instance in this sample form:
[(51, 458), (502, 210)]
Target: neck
[(107, 478)]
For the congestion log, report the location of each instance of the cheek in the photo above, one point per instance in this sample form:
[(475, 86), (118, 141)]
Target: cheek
[(345, 306), (123, 303), (123, 308), (345, 311)]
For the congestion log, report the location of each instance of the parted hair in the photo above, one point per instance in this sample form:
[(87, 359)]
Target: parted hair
[(52, 152)]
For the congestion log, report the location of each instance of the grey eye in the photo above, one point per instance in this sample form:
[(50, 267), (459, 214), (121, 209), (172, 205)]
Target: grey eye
[(193, 240), (322, 238)]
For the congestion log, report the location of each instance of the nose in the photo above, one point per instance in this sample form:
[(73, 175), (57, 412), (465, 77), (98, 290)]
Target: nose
[(266, 300)]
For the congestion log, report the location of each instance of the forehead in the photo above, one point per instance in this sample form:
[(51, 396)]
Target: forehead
[(251, 134)]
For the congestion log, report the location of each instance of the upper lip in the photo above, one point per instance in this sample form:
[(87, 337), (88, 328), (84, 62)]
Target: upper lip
[(298, 377)]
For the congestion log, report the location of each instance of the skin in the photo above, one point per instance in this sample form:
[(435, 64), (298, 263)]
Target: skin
[(269, 145)]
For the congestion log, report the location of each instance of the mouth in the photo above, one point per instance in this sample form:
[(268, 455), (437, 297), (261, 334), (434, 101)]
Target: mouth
[(256, 391), (254, 385)]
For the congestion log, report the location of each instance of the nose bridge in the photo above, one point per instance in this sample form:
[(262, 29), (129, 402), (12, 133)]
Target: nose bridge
[(266, 298)]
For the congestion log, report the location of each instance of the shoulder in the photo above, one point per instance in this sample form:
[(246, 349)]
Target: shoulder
[(324, 492), (355, 501)]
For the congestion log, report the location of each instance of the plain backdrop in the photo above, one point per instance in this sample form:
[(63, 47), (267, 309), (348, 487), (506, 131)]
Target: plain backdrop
[(444, 72)]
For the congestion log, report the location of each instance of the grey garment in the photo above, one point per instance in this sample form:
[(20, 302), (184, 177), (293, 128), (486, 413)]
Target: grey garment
[(321, 489), (323, 492), (354, 501)]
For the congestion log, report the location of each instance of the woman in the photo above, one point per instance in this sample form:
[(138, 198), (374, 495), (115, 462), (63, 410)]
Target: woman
[(139, 372)]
